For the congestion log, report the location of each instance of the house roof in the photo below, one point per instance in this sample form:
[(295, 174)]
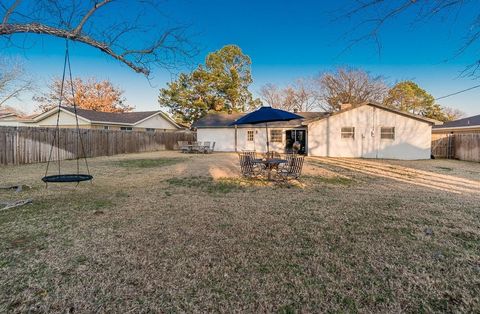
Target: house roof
[(125, 118), (224, 120), (115, 117), (468, 122), (400, 112), (8, 112)]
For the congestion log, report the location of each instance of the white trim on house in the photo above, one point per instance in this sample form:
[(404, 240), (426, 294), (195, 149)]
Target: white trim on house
[(163, 115), (51, 112)]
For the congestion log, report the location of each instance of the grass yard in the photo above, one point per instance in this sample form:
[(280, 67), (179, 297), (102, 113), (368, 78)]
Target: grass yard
[(166, 232)]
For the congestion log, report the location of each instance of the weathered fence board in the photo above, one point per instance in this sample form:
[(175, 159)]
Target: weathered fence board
[(24, 145), (463, 146)]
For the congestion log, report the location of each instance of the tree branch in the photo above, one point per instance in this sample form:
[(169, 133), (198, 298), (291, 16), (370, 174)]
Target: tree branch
[(36, 28), (79, 27), (10, 11)]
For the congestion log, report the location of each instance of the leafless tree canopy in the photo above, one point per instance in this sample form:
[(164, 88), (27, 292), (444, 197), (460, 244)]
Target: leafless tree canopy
[(327, 91), (372, 15), (302, 95), (13, 80), (118, 28), (351, 86)]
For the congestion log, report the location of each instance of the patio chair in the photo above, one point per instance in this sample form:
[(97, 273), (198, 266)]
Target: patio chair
[(208, 149), (271, 155), (205, 146), (183, 145), (293, 168), (197, 147), (247, 167), (251, 153)]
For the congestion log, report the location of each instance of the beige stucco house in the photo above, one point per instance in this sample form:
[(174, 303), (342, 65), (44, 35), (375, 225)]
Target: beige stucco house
[(89, 119), (368, 130)]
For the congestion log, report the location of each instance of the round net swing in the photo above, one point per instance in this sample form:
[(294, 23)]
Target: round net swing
[(60, 177)]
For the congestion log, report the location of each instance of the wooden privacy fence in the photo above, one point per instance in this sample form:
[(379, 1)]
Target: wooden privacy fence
[(26, 145), (463, 146)]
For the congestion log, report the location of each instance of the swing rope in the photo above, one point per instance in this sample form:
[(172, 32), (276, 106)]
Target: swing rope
[(56, 136)]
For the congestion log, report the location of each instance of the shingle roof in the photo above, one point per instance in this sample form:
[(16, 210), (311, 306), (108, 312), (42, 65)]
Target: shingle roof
[(222, 120), (114, 117), (465, 122)]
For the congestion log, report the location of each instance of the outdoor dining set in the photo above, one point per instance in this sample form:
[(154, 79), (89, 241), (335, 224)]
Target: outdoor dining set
[(272, 166), (196, 147)]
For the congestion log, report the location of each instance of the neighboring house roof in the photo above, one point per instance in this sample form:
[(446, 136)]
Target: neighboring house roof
[(224, 120), (9, 112), (465, 123), (123, 118), (6, 115)]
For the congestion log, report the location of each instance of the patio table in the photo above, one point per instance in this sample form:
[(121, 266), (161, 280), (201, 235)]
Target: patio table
[(270, 164)]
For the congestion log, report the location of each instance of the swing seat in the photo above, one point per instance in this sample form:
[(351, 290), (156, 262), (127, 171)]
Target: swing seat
[(65, 178)]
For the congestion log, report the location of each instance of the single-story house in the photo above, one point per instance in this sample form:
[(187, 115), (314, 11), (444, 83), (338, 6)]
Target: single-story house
[(90, 119), (11, 117), (368, 130), (465, 125)]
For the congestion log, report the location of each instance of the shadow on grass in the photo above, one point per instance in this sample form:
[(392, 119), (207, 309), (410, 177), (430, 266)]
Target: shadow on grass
[(218, 186), (149, 163), (329, 180)]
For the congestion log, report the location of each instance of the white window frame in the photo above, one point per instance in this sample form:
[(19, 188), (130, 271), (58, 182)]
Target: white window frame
[(274, 139), (347, 132), (250, 135), (106, 127), (126, 128), (387, 133)]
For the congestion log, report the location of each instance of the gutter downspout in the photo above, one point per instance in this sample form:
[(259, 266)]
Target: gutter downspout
[(235, 138)]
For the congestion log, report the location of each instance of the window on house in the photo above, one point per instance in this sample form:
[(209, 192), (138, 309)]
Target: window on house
[(105, 127), (276, 136), (387, 133), (348, 132), (126, 128), (250, 136), (150, 129)]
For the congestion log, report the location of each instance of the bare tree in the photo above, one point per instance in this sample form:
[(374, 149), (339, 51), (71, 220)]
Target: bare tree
[(453, 113), (307, 95), (373, 15), (13, 80), (271, 95), (351, 86), (108, 25), (302, 95)]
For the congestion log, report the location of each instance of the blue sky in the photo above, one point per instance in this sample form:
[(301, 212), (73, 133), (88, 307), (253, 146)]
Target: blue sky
[(285, 40)]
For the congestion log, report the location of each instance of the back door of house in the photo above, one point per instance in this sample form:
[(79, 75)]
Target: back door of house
[(293, 136)]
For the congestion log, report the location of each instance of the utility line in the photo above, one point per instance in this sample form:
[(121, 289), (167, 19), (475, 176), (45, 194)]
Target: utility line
[(459, 92)]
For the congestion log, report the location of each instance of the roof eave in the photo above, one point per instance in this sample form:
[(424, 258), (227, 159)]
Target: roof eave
[(448, 128)]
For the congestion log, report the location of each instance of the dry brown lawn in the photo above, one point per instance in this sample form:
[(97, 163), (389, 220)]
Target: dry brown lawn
[(165, 232)]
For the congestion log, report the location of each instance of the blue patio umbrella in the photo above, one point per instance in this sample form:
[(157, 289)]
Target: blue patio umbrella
[(265, 115)]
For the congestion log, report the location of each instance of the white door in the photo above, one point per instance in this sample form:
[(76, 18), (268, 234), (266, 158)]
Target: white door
[(250, 138)]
